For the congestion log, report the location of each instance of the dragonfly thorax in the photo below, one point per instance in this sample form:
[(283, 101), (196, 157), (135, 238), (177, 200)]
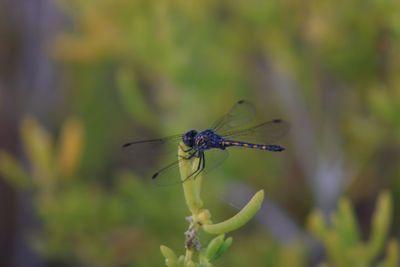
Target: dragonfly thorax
[(207, 139)]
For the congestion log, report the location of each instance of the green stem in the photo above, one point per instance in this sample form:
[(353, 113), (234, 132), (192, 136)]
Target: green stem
[(191, 187)]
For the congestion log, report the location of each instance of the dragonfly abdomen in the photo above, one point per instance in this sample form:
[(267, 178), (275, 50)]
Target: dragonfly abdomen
[(275, 148)]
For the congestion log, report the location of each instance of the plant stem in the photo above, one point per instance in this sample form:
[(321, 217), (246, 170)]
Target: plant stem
[(200, 217)]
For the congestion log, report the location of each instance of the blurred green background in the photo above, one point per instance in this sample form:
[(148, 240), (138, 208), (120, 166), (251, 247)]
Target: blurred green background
[(80, 78)]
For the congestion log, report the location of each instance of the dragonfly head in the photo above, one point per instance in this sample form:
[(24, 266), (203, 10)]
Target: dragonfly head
[(188, 138)]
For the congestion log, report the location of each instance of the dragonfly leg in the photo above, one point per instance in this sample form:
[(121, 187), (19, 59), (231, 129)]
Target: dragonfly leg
[(190, 156), (187, 150), (198, 169), (202, 163)]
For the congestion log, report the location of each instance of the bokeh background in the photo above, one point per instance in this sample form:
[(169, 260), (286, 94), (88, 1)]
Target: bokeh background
[(79, 78)]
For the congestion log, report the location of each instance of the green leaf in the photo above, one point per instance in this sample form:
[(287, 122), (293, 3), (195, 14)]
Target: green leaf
[(346, 225), (380, 224), (392, 255), (39, 147), (223, 248), (170, 257), (13, 171), (214, 246), (238, 220)]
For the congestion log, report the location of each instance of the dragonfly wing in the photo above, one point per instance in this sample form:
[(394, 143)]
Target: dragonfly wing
[(214, 158), (144, 157), (156, 141), (169, 175), (265, 133), (240, 114), (150, 146)]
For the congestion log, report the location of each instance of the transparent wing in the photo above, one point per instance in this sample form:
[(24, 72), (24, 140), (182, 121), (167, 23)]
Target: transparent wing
[(147, 156), (156, 141), (240, 114), (264, 133), (169, 174), (157, 159), (161, 146), (214, 158)]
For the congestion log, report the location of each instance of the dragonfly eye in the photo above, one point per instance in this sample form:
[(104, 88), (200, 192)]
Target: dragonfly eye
[(188, 138)]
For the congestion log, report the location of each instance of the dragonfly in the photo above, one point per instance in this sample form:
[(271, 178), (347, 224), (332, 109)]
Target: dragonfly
[(210, 145)]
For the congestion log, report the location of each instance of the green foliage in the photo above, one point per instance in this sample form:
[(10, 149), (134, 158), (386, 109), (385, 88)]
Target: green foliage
[(342, 240), (11, 170), (82, 221)]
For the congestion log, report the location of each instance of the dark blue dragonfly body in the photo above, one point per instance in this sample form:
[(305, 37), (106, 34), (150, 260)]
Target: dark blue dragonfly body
[(208, 139), (225, 133)]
